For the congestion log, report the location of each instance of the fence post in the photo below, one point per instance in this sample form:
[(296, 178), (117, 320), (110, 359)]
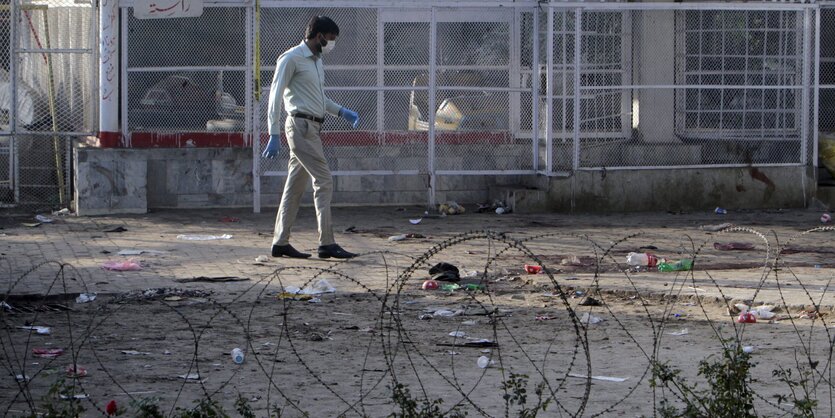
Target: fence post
[(109, 73), (535, 85), (549, 95), (433, 27)]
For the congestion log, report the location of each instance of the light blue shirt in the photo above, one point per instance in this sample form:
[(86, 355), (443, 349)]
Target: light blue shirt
[(300, 80)]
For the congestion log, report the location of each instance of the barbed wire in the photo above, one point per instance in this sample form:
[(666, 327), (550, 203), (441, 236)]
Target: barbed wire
[(396, 344)]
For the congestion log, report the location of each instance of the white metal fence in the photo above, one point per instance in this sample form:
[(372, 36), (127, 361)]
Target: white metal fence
[(496, 89), (48, 96)]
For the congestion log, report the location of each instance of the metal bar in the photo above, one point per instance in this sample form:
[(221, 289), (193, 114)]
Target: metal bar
[(124, 79), (407, 6), (535, 85), (549, 94), (578, 24), (805, 107), (484, 172), (816, 100), (186, 68), (626, 70), (381, 79), (55, 51), (357, 173), (514, 75), (14, 173), (679, 167), (684, 6), (433, 27), (253, 100), (693, 86)]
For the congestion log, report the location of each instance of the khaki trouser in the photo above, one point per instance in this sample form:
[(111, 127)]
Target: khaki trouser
[(307, 159)]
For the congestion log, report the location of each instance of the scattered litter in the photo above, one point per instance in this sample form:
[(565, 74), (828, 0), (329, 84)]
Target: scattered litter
[(350, 229), (203, 237), (470, 322), (116, 229), (130, 265), (826, 218), (79, 397), (748, 349), (138, 252), (293, 296), (590, 319), (262, 259), (589, 301), (111, 408), (400, 237), (62, 212), (683, 331), (229, 219), (487, 351), (321, 286), (76, 371), (37, 329), (808, 315), (415, 221), (452, 353), (457, 334), (22, 378), (450, 287), (160, 294), (315, 300), (731, 246), (85, 298), (604, 378), (426, 317), (135, 353), (484, 362), (451, 208), (445, 272), (720, 211), (215, 279), (746, 318), (430, 285), (501, 211), (43, 219), (544, 317), (31, 224), (446, 313), (715, 228), (479, 343), (190, 376), (533, 269), (572, 260), (47, 352), (696, 289)]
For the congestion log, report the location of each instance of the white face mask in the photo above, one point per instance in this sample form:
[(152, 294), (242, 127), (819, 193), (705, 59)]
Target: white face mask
[(329, 47)]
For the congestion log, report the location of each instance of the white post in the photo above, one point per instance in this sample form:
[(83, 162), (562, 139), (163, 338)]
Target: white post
[(578, 34), (549, 95), (109, 135), (805, 107), (816, 104)]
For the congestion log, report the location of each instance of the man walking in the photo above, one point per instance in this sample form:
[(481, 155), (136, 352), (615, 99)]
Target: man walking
[(299, 80)]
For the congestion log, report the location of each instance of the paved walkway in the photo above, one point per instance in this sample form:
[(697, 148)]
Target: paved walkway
[(30, 256)]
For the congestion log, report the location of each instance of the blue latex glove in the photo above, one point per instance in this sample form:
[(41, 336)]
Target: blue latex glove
[(352, 117), (273, 147)]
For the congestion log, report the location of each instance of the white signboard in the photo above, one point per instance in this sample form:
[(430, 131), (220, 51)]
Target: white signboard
[(160, 9)]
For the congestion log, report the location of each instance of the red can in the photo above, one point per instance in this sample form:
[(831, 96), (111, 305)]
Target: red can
[(747, 318), (430, 285), (533, 269)]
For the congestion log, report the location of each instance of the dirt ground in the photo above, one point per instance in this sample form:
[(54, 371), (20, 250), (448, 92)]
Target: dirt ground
[(165, 332)]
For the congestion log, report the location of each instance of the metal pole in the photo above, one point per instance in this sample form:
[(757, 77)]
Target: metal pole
[(816, 104), (381, 80), (253, 98), (59, 169), (535, 85), (805, 107), (549, 95), (578, 21), (14, 174), (432, 91), (123, 97), (110, 71)]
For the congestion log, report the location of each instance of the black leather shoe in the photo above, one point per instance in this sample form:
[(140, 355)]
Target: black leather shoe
[(288, 251), (335, 251)]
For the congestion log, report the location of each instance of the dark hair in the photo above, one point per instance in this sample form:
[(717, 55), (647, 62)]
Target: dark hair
[(320, 24)]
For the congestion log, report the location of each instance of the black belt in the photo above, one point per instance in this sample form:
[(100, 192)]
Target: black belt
[(308, 117)]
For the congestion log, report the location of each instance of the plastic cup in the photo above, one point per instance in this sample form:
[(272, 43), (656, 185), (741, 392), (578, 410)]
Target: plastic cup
[(483, 362)]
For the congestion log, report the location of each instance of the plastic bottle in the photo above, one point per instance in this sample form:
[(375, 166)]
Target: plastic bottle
[(237, 355), (642, 259), (680, 265)]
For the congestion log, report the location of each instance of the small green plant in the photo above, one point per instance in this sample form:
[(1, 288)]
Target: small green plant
[(60, 402), (205, 408), (515, 389), (243, 408), (728, 393), (802, 395), (147, 408), (411, 408)]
